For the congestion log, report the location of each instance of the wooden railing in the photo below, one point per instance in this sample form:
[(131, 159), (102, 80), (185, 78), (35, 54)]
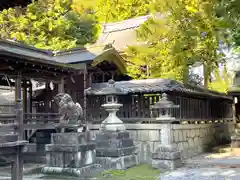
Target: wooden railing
[(137, 109), (31, 122)]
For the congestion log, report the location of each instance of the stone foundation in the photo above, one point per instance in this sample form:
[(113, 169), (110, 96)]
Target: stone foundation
[(190, 139), (72, 154), (166, 157), (235, 141), (115, 150)]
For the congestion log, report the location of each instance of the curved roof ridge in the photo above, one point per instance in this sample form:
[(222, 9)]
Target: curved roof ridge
[(125, 24)]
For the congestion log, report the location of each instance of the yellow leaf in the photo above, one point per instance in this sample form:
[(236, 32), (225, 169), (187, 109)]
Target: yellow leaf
[(191, 9)]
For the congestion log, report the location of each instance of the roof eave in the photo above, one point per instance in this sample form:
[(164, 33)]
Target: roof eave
[(118, 60), (31, 54)]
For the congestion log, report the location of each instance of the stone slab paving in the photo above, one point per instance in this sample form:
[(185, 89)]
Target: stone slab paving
[(207, 167)]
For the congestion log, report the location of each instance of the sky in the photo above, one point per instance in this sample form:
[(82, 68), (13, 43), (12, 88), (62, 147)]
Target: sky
[(231, 58)]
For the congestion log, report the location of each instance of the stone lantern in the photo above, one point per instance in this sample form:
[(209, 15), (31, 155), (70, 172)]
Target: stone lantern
[(115, 148), (112, 122), (165, 106), (166, 154)]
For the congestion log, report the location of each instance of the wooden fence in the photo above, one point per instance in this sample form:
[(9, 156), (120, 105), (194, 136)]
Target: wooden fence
[(137, 108)]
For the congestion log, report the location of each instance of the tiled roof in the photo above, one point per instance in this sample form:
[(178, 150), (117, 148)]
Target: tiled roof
[(123, 25), (63, 59), (121, 34), (151, 86)]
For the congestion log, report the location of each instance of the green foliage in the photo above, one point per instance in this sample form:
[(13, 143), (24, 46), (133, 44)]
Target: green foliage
[(230, 11), (117, 10), (222, 81), (139, 172), (48, 24), (189, 32)]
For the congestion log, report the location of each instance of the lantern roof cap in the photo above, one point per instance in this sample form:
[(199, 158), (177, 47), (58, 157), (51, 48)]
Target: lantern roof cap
[(164, 103), (111, 89)]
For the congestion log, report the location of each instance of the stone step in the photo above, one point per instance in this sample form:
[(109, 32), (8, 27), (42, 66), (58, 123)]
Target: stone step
[(8, 138)]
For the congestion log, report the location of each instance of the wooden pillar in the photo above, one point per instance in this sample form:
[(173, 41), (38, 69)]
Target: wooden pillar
[(17, 164), (25, 102), (103, 76), (112, 75), (25, 105), (30, 97), (19, 106), (61, 86), (85, 95), (46, 100), (90, 79), (61, 90)]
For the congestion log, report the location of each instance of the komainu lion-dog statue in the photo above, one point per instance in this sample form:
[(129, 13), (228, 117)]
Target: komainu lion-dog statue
[(70, 113)]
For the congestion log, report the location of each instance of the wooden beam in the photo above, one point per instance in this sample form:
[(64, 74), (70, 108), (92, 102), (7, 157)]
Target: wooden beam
[(40, 126), (61, 86), (19, 106), (36, 76), (17, 165)]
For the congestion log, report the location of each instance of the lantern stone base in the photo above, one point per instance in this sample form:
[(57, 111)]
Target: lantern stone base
[(115, 150), (87, 171), (235, 141), (122, 162), (71, 154), (166, 157)]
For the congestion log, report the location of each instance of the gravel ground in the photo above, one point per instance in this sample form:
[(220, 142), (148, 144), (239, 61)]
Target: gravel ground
[(202, 174), (203, 167)]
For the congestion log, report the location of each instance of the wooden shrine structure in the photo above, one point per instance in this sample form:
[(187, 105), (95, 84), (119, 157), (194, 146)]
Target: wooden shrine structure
[(196, 104), (18, 65)]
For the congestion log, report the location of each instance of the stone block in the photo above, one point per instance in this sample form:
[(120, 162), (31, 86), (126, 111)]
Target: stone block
[(166, 155), (180, 136), (8, 138), (180, 146), (70, 138), (192, 133), (107, 135), (120, 163), (69, 148), (70, 153), (156, 145), (115, 152), (145, 152), (154, 135), (196, 141), (235, 141), (133, 134), (86, 172), (184, 133), (190, 142), (115, 143), (143, 135), (175, 136), (30, 148), (166, 164), (167, 148), (185, 145)]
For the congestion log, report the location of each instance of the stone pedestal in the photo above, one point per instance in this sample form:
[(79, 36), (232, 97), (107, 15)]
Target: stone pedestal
[(235, 139), (71, 154), (166, 156), (115, 150)]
